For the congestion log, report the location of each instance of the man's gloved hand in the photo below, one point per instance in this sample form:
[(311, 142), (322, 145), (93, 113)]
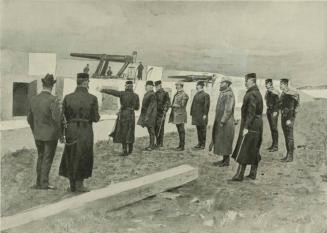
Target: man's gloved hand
[(275, 114), (288, 122), (245, 132)]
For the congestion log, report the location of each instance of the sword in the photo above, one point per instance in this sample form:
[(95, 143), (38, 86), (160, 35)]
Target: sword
[(64, 133), (161, 123), (239, 150)]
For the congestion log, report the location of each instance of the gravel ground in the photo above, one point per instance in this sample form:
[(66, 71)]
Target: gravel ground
[(286, 197)]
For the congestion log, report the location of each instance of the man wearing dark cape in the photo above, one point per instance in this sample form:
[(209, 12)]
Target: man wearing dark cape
[(124, 130), (247, 150), (80, 110)]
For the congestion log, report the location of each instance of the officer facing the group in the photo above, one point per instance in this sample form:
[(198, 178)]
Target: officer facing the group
[(163, 104), (289, 101), (272, 103), (178, 115), (124, 130), (44, 118), (149, 113), (80, 110), (247, 150), (199, 112)]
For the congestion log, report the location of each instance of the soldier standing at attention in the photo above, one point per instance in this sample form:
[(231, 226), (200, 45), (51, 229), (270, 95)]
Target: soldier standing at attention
[(140, 69), (224, 123), (124, 131), (149, 113), (199, 112), (86, 69), (44, 118), (178, 115), (289, 101), (247, 150), (80, 110), (163, 104), (272, 102)]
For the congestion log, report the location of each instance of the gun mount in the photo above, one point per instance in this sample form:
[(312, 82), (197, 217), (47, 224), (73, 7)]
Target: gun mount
[(194, 78), (101, 71)]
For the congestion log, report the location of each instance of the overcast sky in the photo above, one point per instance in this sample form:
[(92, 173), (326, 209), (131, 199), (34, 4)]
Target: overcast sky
[(273, 39)]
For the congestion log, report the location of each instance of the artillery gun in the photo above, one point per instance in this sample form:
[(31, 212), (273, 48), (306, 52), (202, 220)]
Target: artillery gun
[(104, 59)]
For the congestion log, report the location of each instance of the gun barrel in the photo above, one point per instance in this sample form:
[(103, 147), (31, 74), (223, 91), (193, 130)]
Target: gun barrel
[(114, 58)]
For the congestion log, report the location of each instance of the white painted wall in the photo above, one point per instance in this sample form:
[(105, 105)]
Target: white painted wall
[(42, 63)]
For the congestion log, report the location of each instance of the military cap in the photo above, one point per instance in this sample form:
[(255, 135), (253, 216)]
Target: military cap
[(284, 80), (83, 76), (269, 80), (250, 76), (226, 79), (158, 82), (48, 80), (150, 83), (200, 83), (129, 82), (179, 83)]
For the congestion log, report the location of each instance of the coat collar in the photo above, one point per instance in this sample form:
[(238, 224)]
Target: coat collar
[(46, 92), (228, 89), (253, 88), (81, 89)]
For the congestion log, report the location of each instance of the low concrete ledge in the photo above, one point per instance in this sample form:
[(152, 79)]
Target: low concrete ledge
[(111, 197)]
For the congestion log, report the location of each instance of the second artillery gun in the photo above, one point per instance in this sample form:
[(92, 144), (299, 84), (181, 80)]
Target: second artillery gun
[(104, 59)]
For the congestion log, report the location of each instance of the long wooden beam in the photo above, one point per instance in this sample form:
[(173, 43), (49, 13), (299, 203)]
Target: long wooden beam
[(111, 197)]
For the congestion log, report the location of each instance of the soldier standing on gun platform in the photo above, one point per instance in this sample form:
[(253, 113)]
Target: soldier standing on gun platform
[(289, 101), (80, 110), (149, 113), (272, 102), (124, 131), (199, 112), (247, 150), (44, 118), (163, 104), (178, 115)]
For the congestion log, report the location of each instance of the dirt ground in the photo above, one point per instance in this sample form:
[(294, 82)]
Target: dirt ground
[(285, 198)]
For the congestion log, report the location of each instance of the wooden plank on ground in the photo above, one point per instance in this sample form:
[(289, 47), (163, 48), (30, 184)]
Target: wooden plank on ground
[(111, 197)]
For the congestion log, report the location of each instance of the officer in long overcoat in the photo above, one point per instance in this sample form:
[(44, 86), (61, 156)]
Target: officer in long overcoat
[(247, 150), (272, 103), (149, 113), (80, 110), (224, 123), (178, 115), (289, 102), (44, 118), (163, 104), (199, 112), (124, 130)]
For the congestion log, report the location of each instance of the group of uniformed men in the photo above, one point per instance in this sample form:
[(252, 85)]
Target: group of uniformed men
[(71, 123)]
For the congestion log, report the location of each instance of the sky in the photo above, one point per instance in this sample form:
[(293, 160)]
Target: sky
[(274, 39)]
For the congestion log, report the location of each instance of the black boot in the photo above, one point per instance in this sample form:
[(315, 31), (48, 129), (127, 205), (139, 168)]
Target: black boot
[(80, 187), (180, 148), (72, 185), (124, 153), (130, 148), (274, 148), (225, 162), (289, 157), (285, 158), (218, 163), (239, 173), (253, 172), (270, 148)]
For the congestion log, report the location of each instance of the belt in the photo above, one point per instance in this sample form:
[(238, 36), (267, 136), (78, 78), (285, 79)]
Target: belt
[(127, 108)]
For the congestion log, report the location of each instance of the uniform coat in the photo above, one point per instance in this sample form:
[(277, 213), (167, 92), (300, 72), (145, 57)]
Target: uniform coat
[(251, 119), (223, 136), (199, 108), (272, 102), (178, 113), (80, 110), (124, 131), (148, 110), (163, 104), (44, 118)]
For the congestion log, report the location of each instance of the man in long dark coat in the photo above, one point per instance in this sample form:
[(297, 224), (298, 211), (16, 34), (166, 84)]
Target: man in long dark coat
[(140, 69), (80, 110), (178, 114), (44, 118), (272, 103), (224, 124), (199, 112), (289, 101), (163, 104), (124, 131), (149, 113), (247, 150)]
